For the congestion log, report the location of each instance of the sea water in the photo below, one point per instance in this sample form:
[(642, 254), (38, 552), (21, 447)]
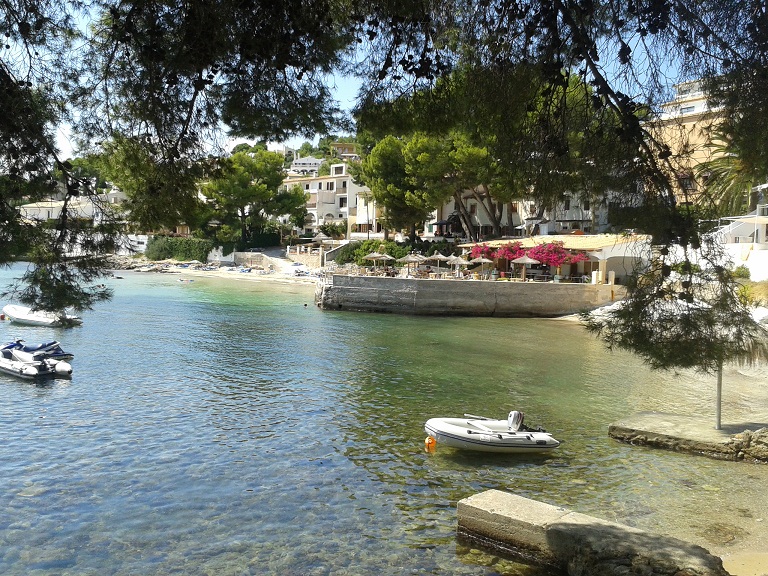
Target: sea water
[(231, 427)]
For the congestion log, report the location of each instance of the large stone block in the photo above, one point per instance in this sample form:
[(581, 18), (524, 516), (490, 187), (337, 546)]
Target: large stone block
[(581, 544)]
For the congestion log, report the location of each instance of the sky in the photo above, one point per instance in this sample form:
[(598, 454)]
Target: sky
[(345, 89)]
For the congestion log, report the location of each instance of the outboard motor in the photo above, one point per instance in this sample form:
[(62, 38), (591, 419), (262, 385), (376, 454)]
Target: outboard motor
[(515, 420)]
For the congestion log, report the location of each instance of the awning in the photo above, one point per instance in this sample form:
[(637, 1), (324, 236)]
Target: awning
[(585, 242), (753, 219)]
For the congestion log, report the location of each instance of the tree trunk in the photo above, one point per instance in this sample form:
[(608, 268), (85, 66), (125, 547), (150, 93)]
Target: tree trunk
[(243, 227), (719, 395), (489, 207), (464, 216)]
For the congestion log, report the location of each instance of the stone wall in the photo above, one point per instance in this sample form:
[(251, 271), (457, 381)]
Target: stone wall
[(251, 259), (463, 297), (310, 260)]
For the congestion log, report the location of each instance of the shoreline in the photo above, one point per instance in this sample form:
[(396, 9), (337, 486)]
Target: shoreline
[(284, 274), (254, 276)]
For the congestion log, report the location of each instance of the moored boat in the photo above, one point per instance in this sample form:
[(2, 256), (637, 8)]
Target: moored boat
[(26, 365), (29, 317), (482, 434)]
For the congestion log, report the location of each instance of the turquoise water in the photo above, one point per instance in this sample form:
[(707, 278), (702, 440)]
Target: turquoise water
[(233, 428)]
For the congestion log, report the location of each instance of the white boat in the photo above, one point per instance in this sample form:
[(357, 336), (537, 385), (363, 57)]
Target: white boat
[(27, 365), (29, 317), (486, 435)]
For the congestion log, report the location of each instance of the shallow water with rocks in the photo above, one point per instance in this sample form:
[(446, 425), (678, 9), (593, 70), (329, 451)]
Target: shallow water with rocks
[(231, 427)]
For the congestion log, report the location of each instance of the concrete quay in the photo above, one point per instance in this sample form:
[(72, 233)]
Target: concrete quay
[(433, 297), (574, 543), (745, 441)]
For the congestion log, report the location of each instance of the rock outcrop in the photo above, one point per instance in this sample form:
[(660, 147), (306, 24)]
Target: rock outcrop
[(750, 445)]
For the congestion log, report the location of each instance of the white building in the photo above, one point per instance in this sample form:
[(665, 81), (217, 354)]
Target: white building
[(335, 198), (520, 218), (308, 166), (92, 208), (745, 238)]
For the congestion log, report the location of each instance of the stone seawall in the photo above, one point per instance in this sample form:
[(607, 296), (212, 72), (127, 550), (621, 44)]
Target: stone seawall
[(743, 442), (575, 543), (462, 297)]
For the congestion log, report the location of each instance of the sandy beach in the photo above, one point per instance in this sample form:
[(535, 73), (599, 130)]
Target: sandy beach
[(253, 276), (282, 270)]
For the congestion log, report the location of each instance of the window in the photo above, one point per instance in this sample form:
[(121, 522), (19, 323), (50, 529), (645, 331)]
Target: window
[(342, 201), (338, 170), (306, 186), (586, 204), (567, 203), (329, 186), (687, 109), (343, 183), (687, 182)]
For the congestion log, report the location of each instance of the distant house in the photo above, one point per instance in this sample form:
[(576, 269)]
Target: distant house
[(88, 208), (82, 207), (308, 166), (346, 151), (335, 198)]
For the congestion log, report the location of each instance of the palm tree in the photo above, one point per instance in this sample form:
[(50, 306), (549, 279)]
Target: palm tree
[(727, 178)]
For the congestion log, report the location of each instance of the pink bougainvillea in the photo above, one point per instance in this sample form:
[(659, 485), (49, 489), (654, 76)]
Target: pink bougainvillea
[(510, 251), (576, 257), (482, 250), (549, 254)]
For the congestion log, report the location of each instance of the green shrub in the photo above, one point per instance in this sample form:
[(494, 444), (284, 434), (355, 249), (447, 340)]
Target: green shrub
[(741, 271), (170, 247), (347, 253)]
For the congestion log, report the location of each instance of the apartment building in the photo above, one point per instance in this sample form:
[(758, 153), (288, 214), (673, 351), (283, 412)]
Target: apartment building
[(308, 166), (687, 125), (336, 198)]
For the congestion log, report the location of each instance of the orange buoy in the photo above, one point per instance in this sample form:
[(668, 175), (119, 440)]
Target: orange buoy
[(430, 444)]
